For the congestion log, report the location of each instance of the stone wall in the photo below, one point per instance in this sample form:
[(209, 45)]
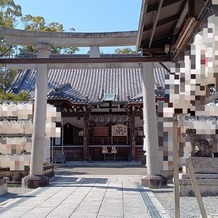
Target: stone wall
[(206, 173), (3, 184), (16, 176)]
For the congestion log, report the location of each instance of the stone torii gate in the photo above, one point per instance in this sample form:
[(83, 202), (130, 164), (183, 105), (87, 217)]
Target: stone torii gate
[(43, 42)]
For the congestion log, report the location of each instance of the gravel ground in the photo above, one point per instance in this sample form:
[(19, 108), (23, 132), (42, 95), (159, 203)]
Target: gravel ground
[(188, 205)]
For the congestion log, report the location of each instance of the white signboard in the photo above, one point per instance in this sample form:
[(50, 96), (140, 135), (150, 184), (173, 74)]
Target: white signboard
[(119, 130)]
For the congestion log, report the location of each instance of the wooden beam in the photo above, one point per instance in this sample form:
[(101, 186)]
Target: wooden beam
[(153, 50), (155, 23), (176, 167), (160, 41), (132, 129), (85, 138), (168, 20), (141, 24), (195, 7), (181, 43), (77, 66), (183, 14), (83, 60), (204, 11), (165, 67), (184, 32), (166, 3)]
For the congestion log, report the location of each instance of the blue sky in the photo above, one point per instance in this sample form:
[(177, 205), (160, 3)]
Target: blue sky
[(87, 15)]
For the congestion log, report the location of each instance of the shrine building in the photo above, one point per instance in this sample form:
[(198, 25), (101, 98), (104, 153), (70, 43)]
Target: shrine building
[(99, 108)]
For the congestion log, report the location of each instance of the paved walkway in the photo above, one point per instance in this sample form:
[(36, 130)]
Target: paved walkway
[(81, 193)]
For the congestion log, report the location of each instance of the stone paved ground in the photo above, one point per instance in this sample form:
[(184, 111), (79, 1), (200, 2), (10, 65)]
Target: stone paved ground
[(98, 192), (84, 192)]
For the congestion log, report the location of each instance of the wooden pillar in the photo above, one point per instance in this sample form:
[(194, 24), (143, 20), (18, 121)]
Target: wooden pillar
[(62, 137), (85, 138), (176, 167), (133, 133)]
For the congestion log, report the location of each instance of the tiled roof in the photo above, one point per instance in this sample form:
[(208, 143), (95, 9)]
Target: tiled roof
[(65, 91), (82, 84)]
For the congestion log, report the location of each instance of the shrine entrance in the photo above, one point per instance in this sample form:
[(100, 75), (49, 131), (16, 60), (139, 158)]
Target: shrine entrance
[(68, 130), (112, 138)]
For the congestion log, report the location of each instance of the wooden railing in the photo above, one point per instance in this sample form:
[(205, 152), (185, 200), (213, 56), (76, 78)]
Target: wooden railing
[(108, 141)]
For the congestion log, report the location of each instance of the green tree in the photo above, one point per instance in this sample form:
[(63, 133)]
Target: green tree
[(22, 96), (37, 23), (10, 16), (125, 51), (10, 13), (70, 50), (6, 78)]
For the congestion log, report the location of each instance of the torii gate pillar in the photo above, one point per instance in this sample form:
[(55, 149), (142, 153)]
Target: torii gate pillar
[(153, 179), (36, 177)]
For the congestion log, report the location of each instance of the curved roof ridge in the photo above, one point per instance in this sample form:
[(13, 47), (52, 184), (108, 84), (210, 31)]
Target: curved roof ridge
[(65, 91)]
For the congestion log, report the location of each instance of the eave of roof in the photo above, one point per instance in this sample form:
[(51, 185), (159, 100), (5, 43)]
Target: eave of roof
[(163, 23), (65, 91)]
